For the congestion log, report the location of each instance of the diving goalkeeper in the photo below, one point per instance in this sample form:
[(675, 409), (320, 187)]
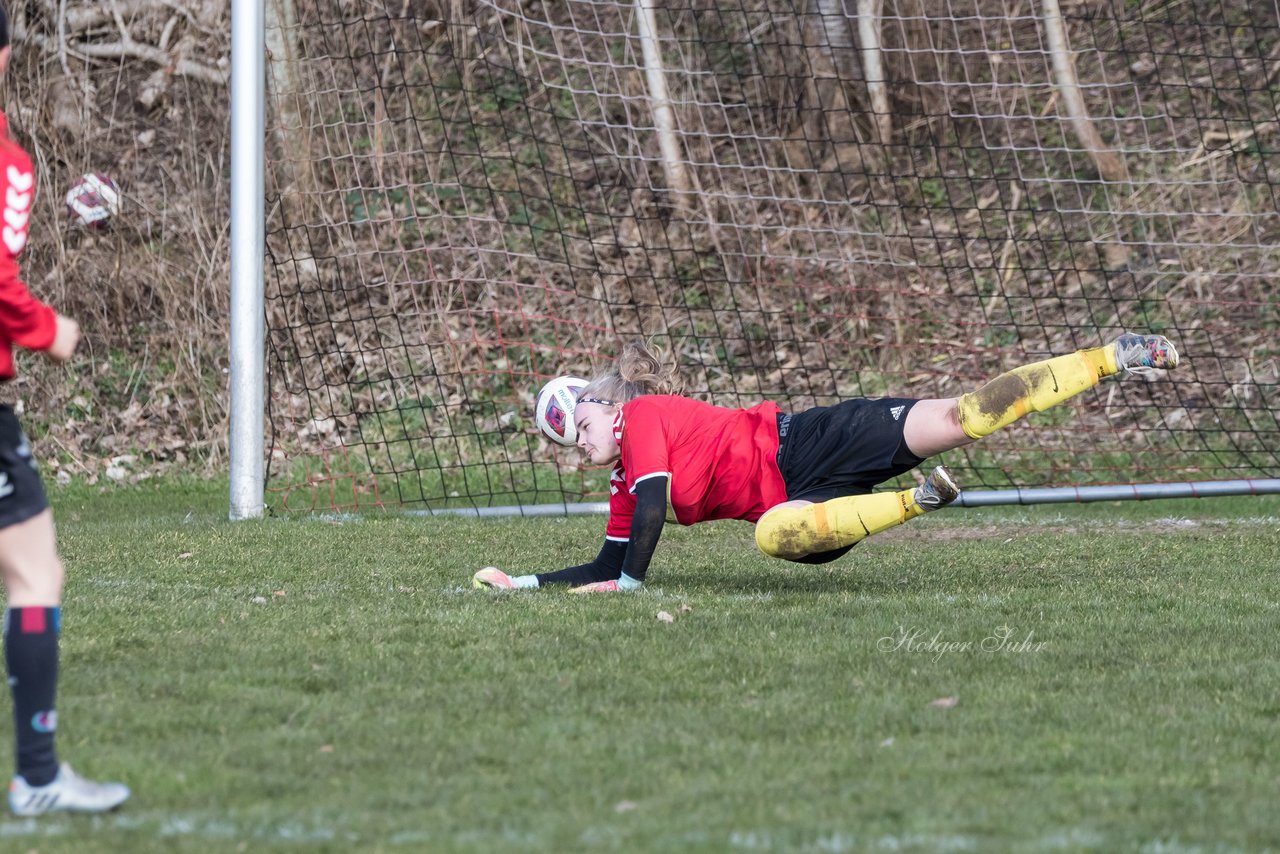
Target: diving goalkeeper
[(804, 479)]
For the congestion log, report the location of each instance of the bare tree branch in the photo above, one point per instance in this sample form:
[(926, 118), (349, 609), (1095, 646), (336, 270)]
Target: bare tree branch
[(168, 32), (77, 19), (62, 39), (181, 66), (869, 23), (664, 117), (192, 20), (1108, 162), (71, 21)]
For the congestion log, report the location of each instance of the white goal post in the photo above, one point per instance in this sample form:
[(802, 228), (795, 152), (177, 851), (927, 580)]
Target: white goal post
[(246, 443)]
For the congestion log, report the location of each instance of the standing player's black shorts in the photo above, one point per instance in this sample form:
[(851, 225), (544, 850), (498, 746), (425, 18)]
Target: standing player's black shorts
[(847, 449), (21, 492)]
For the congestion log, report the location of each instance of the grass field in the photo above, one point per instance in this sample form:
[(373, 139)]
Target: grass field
[(1110, 676)]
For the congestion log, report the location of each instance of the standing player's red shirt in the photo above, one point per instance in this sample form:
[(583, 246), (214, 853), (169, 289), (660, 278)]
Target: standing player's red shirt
[(24, 320), (722, 463)]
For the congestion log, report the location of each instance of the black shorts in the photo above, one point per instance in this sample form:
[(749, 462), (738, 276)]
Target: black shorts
[(21, 492), (847, 449)]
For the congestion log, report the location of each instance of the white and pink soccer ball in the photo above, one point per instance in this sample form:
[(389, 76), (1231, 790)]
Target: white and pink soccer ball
[(93, 200), (555, 409)]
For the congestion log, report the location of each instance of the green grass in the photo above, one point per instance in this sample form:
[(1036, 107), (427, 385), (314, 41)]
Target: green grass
[(375, 703)]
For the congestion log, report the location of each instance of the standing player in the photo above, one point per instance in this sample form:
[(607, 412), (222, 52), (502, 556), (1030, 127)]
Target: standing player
[(804, 479), (29, 562)]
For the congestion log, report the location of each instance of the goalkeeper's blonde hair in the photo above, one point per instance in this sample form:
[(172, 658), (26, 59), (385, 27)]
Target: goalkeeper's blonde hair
[(641, 368)]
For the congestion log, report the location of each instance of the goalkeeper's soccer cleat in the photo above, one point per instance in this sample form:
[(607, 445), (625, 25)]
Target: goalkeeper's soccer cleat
[(492, 578), (1145, 355), (938, 490), (66, 792)]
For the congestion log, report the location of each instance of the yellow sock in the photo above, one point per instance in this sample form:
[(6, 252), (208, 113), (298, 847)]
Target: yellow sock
[(1033, 388), (794, 532)]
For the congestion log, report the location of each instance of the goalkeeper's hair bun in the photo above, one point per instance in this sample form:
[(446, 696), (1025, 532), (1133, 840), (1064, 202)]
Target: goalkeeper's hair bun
[(642, 368)]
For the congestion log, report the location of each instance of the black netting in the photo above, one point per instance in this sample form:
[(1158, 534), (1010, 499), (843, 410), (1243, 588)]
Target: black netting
[(462, 208)]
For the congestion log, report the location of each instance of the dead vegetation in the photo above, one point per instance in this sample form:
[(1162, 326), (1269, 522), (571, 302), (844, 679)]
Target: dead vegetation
[(137, 90), (468, 196)]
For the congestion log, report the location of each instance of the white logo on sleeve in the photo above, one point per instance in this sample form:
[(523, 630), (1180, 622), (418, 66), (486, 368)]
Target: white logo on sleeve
[(896, 412), (17, 208), (6, 488)]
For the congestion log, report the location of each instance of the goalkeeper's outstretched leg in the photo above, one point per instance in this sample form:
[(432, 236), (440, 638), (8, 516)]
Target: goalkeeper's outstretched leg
[(934, 426), (818, 531)]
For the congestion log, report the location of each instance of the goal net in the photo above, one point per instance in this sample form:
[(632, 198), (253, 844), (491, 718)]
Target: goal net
[(802, 200)]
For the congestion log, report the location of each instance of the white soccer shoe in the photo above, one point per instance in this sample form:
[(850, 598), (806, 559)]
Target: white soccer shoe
[(938, 490), (492, 578), (67, 792), (1147, 356)]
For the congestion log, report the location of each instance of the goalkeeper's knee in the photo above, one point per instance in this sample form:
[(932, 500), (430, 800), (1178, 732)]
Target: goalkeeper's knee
[(795, 532)]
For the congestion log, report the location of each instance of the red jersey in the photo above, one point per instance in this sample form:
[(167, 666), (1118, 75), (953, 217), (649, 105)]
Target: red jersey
[(722, 463), (24, 320)]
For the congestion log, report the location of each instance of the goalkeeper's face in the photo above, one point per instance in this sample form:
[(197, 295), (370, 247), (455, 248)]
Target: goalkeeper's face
[(595, 431)]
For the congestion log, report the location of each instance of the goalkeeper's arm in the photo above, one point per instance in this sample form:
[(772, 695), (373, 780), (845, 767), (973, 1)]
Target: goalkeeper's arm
[(606, 566), (626, 561)]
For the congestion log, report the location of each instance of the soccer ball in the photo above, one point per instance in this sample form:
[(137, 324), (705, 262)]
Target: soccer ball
[(555, 409), (93, 200)]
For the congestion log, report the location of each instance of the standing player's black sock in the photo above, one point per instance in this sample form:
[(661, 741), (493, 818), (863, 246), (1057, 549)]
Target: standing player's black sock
[(31, 654)]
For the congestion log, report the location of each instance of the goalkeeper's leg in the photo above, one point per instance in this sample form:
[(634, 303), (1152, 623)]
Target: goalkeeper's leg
[(798, 530), (934, 426)]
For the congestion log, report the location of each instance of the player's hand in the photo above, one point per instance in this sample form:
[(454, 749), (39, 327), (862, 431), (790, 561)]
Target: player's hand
[(66, 336), (610, 586)]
